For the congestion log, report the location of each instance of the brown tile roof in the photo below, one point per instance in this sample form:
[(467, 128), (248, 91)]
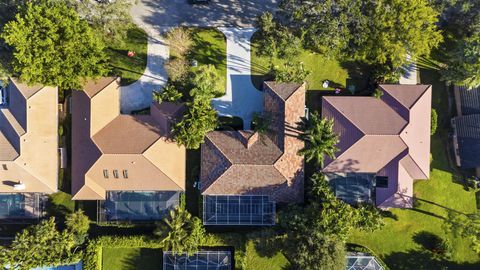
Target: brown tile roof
[(375, 132), (283, 90), (26, 90), (127, 134), (29, 152), (231, 144), (93, 87), (135, 144), (245, 162)]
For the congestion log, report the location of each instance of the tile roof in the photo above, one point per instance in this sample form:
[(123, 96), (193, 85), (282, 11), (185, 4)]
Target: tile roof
[(29, 152), (467, 130), (373, 132), (283, 90), (136, 144), (245, 162), (93, 87)]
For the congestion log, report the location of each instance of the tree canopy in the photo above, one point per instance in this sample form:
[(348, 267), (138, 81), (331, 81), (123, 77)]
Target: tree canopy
[(372, 31), (53, 46), (319, 138), (180, 232), (39, 245)]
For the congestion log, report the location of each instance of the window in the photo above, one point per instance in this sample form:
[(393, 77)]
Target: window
[(125, 174), (382, 181), (105, 173), (115, 173)]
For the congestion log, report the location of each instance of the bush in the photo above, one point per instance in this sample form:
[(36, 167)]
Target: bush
[(377, 93), (169, 93), (180, 41), (434, 122), (290, 73), (177, 69), (78, 224)]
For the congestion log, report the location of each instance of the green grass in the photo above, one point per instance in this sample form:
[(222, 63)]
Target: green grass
[(321, 68), (253, 260), (210, 48), (129, 69), (131, 259), (395, 243), (60, 204)]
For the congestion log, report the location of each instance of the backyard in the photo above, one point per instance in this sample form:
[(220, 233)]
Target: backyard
[(340, 74), (131, 258), (400, 243)]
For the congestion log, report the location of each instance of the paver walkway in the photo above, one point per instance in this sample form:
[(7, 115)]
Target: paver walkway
[(138, 95), (241, 98)]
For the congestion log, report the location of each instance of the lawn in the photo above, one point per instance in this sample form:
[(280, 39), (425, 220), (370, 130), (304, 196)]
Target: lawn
[(129, 68), (399, 243), (210, 48), (131, 259), (321, 68)]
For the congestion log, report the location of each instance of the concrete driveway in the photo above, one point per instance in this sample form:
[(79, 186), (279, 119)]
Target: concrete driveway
[(241, 13), (241, 98)]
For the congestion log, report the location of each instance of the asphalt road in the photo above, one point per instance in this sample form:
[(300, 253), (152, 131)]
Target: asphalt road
[(219, 13)]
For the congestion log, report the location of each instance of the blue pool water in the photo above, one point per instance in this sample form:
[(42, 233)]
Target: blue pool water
[(12, 205), (77, 266)]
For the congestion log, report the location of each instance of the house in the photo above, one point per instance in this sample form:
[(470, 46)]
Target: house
[(384, 144), (244, 173), (466, 128), (28, 148), (126, 162)]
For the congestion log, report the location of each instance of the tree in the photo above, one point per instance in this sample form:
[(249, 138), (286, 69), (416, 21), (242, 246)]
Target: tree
[(290, 72), (181, 232), (465, 226), (262, 122), (110, 18), (316, 251), (53, 46), (39, 245), (199, 119), (206, 82), (169, 93), (78, 225), (377, 32), (323, 24), (393, 30), (462, 65), (319, 138)]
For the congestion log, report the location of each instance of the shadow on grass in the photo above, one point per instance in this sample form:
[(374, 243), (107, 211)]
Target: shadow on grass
[(145, 259), (422, 260)]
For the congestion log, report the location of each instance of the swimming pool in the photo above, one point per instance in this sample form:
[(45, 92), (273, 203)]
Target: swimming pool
[(77, 266), (139, 205), (12, 205)]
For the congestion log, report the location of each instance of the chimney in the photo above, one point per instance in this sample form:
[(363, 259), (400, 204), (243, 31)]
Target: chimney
[(248, 138)]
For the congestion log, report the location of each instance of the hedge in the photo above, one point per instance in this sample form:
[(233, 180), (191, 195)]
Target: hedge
[(92, 259)]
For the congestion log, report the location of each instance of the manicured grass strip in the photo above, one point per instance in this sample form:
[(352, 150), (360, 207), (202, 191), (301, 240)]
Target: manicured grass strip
[(210, 48), (132, 258), (129, 68), (399, 243)]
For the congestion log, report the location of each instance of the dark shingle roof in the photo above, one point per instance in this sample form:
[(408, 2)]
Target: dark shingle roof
[(468, 136), (470, 100), (283, 90)]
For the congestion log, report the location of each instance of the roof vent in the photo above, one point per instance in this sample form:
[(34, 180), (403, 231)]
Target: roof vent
[(105, 173), (19, 186), (125, 174), (115, 173)]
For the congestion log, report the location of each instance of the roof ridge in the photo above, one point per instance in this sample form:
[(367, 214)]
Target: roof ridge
[(344, 116), (416, 100)]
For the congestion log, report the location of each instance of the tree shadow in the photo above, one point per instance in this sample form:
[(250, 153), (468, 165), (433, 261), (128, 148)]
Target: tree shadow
[(144, 259), (426, 239), (423, 260)]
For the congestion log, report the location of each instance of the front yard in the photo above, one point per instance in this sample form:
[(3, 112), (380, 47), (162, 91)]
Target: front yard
[(399, 243), (340, 74)]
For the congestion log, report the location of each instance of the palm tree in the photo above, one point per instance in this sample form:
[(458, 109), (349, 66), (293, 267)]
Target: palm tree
[(319, 138), (175, 230)]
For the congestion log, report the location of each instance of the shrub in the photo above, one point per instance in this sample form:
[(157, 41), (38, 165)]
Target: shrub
[(434, 122), (169, 93), (177, 69), (377, 93), (78, 224), (290, 73), (180, 41), (206, 82)]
